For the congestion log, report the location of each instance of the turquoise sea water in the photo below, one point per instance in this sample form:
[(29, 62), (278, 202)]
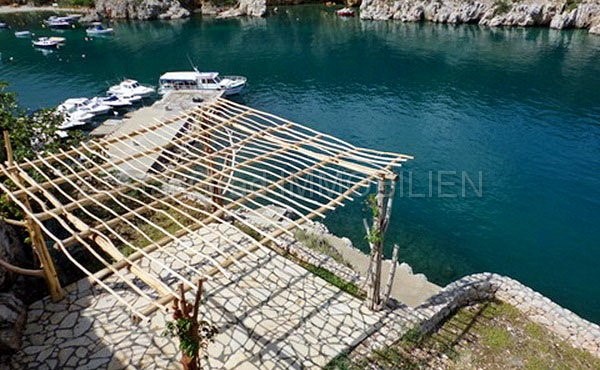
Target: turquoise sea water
[(518, 108)]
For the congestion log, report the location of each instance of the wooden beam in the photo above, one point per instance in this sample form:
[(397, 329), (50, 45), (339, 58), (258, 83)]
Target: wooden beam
[(35, 233)]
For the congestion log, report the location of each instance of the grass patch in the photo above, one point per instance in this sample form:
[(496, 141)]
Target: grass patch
[(331, 278), (248, 230), (314, 242), (489, 335)]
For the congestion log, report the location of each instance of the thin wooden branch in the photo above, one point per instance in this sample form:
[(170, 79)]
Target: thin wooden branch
[(390, 281)]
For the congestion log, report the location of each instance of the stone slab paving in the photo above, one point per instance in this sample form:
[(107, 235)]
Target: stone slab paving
[(271, 314)]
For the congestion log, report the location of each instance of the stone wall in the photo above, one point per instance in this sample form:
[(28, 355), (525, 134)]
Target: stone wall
[(546, 13), (485, 286)]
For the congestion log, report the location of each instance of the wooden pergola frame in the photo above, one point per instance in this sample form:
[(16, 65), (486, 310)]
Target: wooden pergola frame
[(224, 159)]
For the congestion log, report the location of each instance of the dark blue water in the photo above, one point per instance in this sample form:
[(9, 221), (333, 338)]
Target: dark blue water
[(517, 109)]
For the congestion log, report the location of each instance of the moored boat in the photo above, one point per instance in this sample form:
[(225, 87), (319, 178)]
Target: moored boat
[(60, 22), (346, 12), (47, 42), (195, 80), (116, 101), (3, 25), (92, 106), (98, 29), (133, 99), (131, 88), (22, 33)]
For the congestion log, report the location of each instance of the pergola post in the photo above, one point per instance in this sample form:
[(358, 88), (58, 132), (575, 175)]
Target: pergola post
[(35, 234), (376, 235)]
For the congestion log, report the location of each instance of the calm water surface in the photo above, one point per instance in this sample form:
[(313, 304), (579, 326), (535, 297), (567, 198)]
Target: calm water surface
[(518, 108)]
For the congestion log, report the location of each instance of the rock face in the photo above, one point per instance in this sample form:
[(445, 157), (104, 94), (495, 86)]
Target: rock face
[(138, 9), (252, 8), (12, 322), (552, 13), (12, 309)]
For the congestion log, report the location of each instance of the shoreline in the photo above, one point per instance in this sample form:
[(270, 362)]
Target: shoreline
[(7, 9), (524, 13)]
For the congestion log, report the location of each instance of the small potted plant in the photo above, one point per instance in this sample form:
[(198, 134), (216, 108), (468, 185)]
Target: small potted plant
[(194, 336)]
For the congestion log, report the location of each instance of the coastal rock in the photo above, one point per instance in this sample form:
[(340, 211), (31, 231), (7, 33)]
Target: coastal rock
[(595, 26), (252, 8), (526, 13), (138, 9), (12, 322), (564, 20)]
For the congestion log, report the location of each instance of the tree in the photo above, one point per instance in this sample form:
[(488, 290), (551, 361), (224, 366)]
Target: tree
[(30, 134)]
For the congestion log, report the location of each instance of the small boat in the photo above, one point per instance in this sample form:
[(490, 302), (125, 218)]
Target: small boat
[(131, 87), (73, 118), (46, 43), (175, 81), (345, 12), (133, 99), (98, 29), (3, 25), (60, 22), (70, 122), (84, 105), (22, 33), (60, 40), (116, 101)]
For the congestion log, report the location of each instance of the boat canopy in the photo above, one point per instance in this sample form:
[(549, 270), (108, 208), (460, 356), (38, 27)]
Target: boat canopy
[(188, 76)]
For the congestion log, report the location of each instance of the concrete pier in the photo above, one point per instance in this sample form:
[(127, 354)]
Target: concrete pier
[(171, 105)]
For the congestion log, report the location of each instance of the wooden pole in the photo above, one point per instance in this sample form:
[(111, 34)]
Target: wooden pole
[(35, 234), (390, 282), (377, 239)]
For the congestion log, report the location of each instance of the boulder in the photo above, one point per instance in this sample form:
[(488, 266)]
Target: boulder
[(12, 322)]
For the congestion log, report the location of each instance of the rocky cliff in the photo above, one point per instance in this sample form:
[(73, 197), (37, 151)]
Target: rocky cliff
[(138, 9), (12, 308), (547, 13)]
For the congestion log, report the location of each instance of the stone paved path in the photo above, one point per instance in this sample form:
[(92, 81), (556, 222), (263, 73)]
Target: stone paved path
[(271, 314)]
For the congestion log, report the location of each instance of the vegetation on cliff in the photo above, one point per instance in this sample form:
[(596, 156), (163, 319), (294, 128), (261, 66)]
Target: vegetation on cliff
[(487, 335)]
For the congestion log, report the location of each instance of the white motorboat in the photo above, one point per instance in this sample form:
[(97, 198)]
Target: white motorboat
[(133, 99), (3, 25), (47, 42), (345, 12), (131, 88), (93, 106), (116, 101), (195, 80), (71, 122), (72, 117), (60, 22), (98, 29), (22, 33)]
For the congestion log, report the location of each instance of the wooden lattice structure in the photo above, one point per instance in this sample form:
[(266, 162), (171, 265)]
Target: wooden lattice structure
[(146, 189)]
